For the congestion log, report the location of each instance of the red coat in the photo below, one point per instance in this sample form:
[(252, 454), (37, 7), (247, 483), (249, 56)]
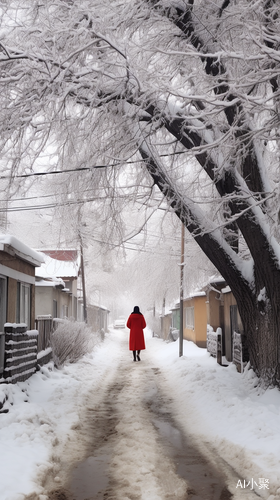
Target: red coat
[(136, 323)]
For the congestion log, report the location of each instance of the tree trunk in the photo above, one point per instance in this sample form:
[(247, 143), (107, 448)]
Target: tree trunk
[(261, 332), (259, 309)]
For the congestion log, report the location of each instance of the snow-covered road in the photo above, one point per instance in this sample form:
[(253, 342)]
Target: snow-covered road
[(120, 430), (133, 431), (128, 444)]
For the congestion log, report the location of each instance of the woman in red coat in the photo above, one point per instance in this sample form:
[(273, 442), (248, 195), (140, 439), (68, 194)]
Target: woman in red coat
[(136, 322)]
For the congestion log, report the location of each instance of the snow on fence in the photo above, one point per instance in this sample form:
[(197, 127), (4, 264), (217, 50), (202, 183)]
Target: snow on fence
[(237, 351), (20, 352), (214, 343)]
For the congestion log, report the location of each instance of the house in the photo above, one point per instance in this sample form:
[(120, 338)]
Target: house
[(210, 308), (58, 288), (195, 318), (205, 307), (18, 263), (18, 340)]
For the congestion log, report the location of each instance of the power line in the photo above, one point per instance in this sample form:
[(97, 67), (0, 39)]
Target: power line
[(57, 204), (82, 169), (50, 205), (115, 245), (54, 172), (53, 195)]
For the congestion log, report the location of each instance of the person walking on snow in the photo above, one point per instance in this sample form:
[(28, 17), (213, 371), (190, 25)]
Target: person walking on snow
[(136, 322)]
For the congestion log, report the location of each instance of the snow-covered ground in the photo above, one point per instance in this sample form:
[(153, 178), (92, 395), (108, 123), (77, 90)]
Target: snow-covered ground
[(220, 407)]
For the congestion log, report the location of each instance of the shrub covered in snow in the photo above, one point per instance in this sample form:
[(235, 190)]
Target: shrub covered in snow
[(71, 340)]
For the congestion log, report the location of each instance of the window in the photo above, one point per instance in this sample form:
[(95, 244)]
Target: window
[(23, 303), (54, 308), (190, 317), (3, 302), (65, 311)]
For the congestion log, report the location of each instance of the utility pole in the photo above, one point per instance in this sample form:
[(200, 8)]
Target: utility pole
[(182, 290), (82, 265), (83, 281)]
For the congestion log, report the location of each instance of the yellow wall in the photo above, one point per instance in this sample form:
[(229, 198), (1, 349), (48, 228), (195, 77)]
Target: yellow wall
[(200, 321), (189, 334), (198, 333)]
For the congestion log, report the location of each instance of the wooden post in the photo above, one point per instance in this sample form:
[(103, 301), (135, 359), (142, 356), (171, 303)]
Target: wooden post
[(83, 283)]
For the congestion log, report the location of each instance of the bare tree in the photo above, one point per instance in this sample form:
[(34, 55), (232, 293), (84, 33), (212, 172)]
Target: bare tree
[(177, 85)]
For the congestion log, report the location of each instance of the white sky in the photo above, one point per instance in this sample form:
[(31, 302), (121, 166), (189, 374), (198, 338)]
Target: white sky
[(223, 410)]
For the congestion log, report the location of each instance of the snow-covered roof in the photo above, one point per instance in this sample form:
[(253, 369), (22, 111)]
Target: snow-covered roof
[(198, 293), (54, 282), (67, 254), (98, 306), (53, 268), (11, 245)]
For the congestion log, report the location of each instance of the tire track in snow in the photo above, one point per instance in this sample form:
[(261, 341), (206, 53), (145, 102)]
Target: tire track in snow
[(140, 466), (119, 427), (78, 443)]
